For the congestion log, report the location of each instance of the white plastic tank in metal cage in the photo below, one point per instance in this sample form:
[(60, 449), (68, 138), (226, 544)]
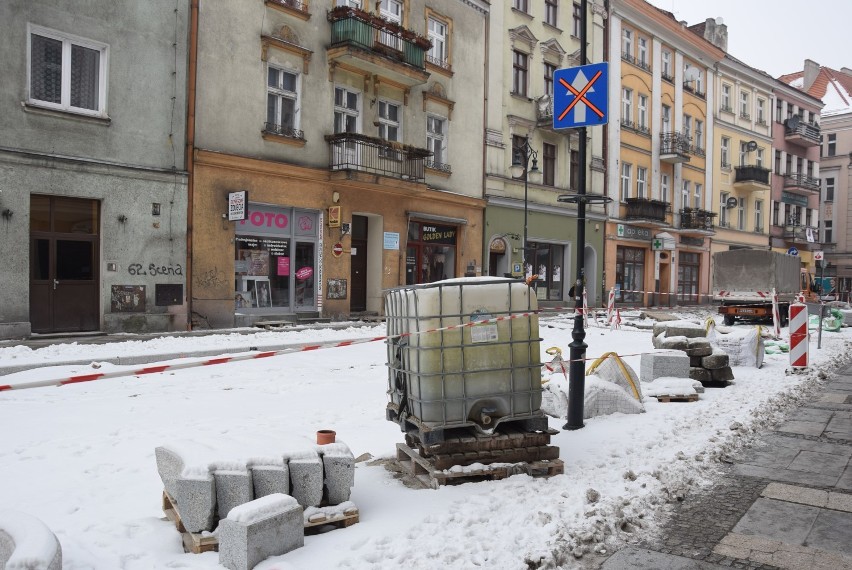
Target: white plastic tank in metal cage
[(463, 352)]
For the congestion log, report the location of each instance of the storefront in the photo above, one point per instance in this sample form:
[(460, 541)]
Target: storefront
[(430, 254)]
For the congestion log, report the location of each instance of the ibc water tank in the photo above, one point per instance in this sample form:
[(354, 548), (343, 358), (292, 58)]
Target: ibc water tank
[(473, 375)]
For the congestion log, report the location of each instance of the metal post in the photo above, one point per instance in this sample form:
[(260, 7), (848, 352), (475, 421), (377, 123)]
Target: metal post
[(576, 369), (821, 302), (526, 153)]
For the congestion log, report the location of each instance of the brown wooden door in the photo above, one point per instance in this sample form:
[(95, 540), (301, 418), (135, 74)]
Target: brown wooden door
[(64, 265), (358, 271)]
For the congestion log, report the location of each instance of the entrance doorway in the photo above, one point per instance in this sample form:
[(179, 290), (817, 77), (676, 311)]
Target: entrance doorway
[(64, 254), (358, 271)]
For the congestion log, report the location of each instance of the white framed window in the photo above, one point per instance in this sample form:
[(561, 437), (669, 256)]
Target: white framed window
[(684, 194), (66, 72), (828, 231), (741, 214), (521, 5), (761, 111), (723, 209), (642, 55), (698, 195), (699, 81), (664, 188), (760, 156), (667, 63), (687, 126), (438, 36), (725, 154), (642, 118), (758, 215), (627, 42), (745, 111), (520, 70), (626, 104), (577, 20), (626, 175), (726, 97), (829, 189), (666, 119), (391, 10), (347, 110), (282, 102), (551, 11), (349, 3), (699, 134), (743, 153), (641, 181), (390, 120), (436, 138)]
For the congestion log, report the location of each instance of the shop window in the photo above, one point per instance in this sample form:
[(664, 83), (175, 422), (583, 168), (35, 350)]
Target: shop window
[(431, 252), (687, 277), (629, 274), (546, 262)]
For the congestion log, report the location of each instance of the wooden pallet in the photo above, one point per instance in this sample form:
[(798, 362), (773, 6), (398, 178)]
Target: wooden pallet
[(196, 542), (677, 398), (466, 440), (424, 470)]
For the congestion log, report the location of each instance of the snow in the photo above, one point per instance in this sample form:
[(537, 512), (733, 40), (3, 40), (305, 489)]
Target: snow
[(836, 100), (259, 509), (81, 457), (35, 546)]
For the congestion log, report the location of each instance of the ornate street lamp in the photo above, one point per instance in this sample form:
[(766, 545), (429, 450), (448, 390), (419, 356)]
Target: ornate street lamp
[(521, 169)]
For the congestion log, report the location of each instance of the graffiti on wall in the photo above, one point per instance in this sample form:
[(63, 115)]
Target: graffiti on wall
[(154, 269), (210, 279)]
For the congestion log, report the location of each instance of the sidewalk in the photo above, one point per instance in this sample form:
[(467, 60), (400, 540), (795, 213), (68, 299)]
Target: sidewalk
[(784, 503)]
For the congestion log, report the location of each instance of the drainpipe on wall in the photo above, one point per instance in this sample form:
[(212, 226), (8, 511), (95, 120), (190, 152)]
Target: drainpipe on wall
[(486, 246), (190, 150)]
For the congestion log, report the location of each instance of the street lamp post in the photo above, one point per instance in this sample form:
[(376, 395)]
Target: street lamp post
[(521, 169)]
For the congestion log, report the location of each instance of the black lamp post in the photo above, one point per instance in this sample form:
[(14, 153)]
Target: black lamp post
[(521, 169)]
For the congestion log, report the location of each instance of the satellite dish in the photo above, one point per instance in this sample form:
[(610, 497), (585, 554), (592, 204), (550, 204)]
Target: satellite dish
[(793, 122), (544, 103), (691, 74), (751, 146), (731, 202)]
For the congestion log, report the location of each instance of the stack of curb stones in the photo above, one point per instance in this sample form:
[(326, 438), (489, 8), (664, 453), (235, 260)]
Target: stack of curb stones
[(707, 364)]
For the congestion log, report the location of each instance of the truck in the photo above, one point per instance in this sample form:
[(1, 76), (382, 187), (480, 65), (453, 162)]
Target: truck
[(743, 281)]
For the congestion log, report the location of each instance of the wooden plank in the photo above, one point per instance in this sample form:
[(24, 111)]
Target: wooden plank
[(677, 398)]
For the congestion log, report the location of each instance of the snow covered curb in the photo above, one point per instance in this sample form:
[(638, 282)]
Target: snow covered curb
[(27, 544)]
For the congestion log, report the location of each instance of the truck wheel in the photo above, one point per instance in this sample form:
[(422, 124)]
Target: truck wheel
[(729, 320)]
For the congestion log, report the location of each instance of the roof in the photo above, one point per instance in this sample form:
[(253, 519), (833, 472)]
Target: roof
[(833, 87)]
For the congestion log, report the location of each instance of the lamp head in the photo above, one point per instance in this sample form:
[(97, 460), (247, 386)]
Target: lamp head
[(534, 173), (517, 168)]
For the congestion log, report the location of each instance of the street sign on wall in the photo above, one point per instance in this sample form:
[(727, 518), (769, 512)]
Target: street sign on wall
[(580, 96)]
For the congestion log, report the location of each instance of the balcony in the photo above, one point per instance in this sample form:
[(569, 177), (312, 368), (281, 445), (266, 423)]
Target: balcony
[(801, 182), (674, 148), (693, 220), (352, 151), (800, 234), (653, 212), (802, 134), (372, 44), (751, 177), (293, 7), (635, 127)]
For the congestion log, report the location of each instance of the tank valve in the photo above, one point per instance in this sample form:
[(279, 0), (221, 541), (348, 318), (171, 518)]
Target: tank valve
[(485, 419)]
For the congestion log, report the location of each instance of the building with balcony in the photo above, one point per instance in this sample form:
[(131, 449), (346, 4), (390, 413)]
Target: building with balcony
[(94, 193), (742, 142), (659, 150), (355, 127), (834, 88), (527, 230), (796, 180)]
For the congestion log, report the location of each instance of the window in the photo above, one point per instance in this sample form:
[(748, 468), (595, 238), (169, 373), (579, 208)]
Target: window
[(521, 5), (699, 81), (776, 207), (687, 127), (829, 189), (688, 275), (549, 70), (744, 106), (664, 187), (726, 152), (347, 109), (667, 64), (550, 10), (389, 121), (828, 230), (519, 73), (575, 170), (698, 203), (832, 144), (699, 134), (723, 209), (629, 274), (808, 213), (758, 215), (760, 152), (349, 3), (282, 100), (436, 139), (626, 105), (743, 153), (667, 118), (684, 195), (741, 214), (642, 56), (779, 110), (778, 162), (627, 43), (726, 97), (67, 73), (549, 155), (578, 21), (761, 111), (391, 10), (438, 53), (641, 178), (625, 181), (642, 119)]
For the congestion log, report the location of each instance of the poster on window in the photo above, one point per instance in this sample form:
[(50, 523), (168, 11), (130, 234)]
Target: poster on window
[(259, 263), (284, 266)]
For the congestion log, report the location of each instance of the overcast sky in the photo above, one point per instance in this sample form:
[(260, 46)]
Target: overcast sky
[(792, 30)]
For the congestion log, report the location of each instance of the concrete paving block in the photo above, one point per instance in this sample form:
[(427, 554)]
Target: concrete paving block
[(724, 374), (233, 488), (26, 542), (269, 479), (658, 339), (680, 328), (196, 503), (663, 363), (339, 471), (674, 343), (699, 351), (695, 361), (699, 343), (270, 526), (170, 466), (700, 374), (306, 480), (716, 360)]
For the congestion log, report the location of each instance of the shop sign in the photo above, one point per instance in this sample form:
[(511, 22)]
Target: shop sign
[(266, 220), (304, 273), (795, 199), (284, 266), (334, 217), (237, 205), (438, 234), (632, 232), (391, 240), (337, 249)]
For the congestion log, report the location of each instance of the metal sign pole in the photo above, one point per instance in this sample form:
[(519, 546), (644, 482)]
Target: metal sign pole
[(821, 301)]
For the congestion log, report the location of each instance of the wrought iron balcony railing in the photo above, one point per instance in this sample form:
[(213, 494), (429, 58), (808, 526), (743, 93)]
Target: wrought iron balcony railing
[(283, 131), (673, 143), (695, 219), (355, 26), (439, 62), (635, 127), (294, 4), (435, 165), (647, 209), (801, 233), (667, 77), (798, 130), (803, 181), (751, 173), (353, 151)]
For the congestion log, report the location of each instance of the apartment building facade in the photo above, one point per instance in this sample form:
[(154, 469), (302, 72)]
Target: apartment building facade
[(355, 128), (528, 231), (93, 192), (660, 129)]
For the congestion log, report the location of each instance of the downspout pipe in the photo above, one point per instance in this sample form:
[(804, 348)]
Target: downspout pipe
[(192, 71)]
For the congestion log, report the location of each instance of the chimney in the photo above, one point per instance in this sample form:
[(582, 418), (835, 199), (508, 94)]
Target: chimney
[(811, 72), (846, 70), (716, 32)]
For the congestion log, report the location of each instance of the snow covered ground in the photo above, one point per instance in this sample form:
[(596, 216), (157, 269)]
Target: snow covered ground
[(81, 457)]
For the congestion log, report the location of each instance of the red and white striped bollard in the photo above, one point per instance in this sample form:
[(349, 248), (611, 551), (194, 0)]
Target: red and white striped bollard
[(798, 335)]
